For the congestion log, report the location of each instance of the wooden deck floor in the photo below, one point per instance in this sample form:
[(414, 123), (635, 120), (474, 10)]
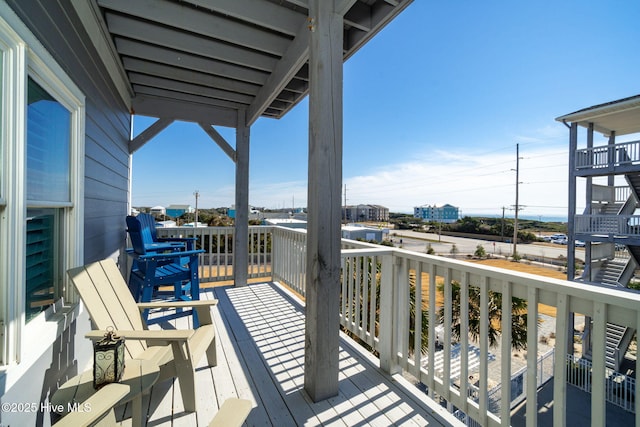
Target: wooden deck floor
[(260, 331)]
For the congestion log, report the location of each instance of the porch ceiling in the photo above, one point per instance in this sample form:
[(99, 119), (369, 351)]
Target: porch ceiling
[(621, 116), (205, 60)]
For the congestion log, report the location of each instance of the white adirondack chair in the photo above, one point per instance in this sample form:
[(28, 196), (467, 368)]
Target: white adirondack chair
[(110, 304)]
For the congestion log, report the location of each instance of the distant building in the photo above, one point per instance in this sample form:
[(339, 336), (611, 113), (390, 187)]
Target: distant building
[(437, 213), (254, 213), (158, 211), (375, 213), (175, 211), (358, 232)]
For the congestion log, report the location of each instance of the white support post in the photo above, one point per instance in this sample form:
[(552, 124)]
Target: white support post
[(611, 178), (325, 182), (241, 229), (571, 251)]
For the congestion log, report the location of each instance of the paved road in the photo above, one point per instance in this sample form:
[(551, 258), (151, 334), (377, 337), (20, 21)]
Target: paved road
[(416, 241)]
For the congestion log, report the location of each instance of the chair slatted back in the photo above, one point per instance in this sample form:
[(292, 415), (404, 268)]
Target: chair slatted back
[(107, 298), (138, 234), (148, 224)]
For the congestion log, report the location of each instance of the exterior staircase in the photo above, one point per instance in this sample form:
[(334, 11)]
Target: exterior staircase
[(634, 183), (611, 272), (618, 272), (615, 339)]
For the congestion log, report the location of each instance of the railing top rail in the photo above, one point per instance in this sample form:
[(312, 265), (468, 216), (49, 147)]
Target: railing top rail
[(607, 146), (548, 287), (367, 251), (230, 227)]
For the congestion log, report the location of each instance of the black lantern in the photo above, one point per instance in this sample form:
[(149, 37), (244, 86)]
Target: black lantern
[(108, 359)]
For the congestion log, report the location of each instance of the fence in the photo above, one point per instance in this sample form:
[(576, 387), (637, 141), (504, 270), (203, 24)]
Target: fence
[(619, 388)]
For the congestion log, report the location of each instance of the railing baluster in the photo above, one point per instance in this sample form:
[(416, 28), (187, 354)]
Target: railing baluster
[(360, 274), (402, 310), (532, 357), (464, 342), (417, 316), (561, 372), (448, 312), (636, 396), (375, 284), (368, 282), (484, 350), (505, 348), (598, 402), (432, 334)]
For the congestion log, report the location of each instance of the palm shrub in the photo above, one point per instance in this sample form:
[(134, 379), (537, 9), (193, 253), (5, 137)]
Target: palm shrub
[(518, 316), (415, 309), (364, 272)]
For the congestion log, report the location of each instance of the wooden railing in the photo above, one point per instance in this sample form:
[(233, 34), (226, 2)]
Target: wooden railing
[(608, 156), (216, 263), (392, 300), (404, 278), (609, 225)]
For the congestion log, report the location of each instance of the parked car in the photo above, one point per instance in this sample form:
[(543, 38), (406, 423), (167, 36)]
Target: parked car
[(580, 244), (560, 241), (559, 236)]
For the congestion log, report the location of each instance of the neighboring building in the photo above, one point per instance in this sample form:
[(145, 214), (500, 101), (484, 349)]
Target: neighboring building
[(358, 232), (437, 213), (610, 170), (254, 213), (158, 211), (375, 213), (175, 211)]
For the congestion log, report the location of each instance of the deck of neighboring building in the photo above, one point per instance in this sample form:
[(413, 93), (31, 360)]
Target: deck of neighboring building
[(260, 333)]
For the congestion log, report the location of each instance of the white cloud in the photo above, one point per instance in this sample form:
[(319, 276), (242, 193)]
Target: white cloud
[(476, 183), (278, 195)]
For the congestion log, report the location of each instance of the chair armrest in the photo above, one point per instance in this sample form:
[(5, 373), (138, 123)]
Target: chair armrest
[(202, 307), (177, 239), (166, 335), (96, 407), (177, 304), (168, 255)]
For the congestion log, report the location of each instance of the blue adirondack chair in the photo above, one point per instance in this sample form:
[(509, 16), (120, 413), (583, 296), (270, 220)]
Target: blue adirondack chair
[(153, 268), (153, 243)]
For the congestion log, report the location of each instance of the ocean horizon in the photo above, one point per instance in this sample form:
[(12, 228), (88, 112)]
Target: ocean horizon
[(543, 218)]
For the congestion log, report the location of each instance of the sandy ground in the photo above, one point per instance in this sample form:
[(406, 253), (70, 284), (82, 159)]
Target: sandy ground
[(532, 269)]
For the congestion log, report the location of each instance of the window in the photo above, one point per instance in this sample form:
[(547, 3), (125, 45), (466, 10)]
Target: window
[(42, 260), (48, 138), (41, 192), (48, 148)]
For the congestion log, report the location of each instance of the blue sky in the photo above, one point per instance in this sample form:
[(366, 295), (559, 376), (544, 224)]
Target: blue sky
[(434, 106)]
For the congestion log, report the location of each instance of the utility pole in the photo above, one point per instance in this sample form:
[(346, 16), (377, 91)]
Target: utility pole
[(515, 223), (345, 203), (197, 194)]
